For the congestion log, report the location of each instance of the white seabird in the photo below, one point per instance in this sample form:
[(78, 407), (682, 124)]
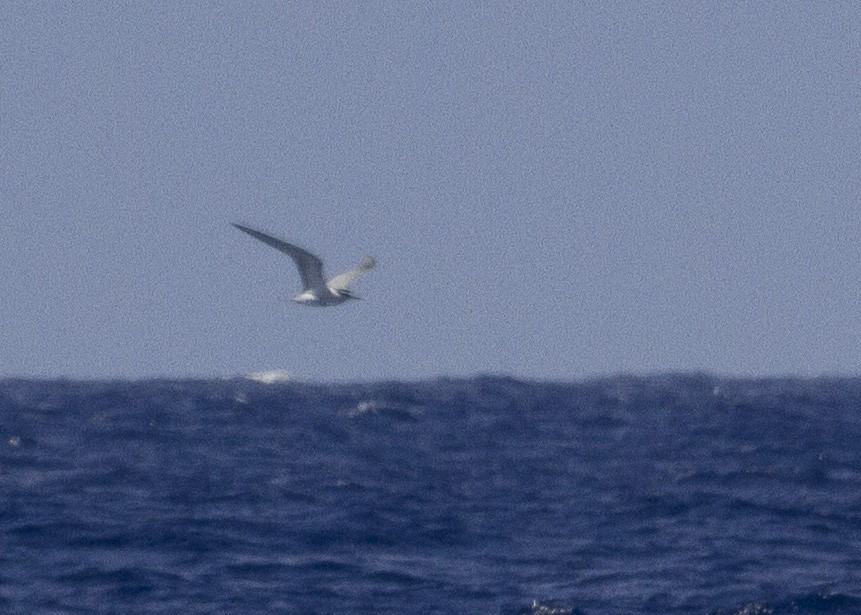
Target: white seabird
[(315, 290)]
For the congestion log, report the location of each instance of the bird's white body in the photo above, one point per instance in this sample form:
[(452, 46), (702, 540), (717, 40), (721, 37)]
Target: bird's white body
[(316, 291), (322, 299)]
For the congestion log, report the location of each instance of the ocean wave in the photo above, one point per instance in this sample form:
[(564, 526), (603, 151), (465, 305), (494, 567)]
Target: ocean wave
[(634, 495)]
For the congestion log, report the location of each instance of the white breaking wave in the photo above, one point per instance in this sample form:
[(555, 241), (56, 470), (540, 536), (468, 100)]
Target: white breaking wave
[(272, 376)]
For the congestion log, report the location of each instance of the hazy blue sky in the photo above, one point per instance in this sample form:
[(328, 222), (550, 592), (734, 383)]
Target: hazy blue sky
[(552, 189)]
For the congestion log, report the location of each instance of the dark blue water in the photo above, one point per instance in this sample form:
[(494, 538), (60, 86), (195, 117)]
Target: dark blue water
[(673, 494)]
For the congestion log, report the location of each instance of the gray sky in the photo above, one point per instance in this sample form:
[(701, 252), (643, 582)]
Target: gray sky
[(554, 189)]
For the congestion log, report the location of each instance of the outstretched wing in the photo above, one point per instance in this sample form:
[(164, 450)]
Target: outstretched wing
[(341, 281), (310, 267)]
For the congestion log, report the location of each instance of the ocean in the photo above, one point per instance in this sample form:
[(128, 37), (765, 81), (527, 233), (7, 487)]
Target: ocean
[(622, 495)]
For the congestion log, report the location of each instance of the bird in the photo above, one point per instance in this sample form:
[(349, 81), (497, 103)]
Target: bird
[(315, 290)]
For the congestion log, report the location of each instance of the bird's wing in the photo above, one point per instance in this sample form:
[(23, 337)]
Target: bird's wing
[(310, 267), (341, 281)]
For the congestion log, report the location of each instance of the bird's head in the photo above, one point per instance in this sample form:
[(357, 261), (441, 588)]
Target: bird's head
[(343, 292)]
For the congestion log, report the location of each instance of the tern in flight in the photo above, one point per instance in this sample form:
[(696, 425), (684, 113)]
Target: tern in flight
[(315, 290)]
